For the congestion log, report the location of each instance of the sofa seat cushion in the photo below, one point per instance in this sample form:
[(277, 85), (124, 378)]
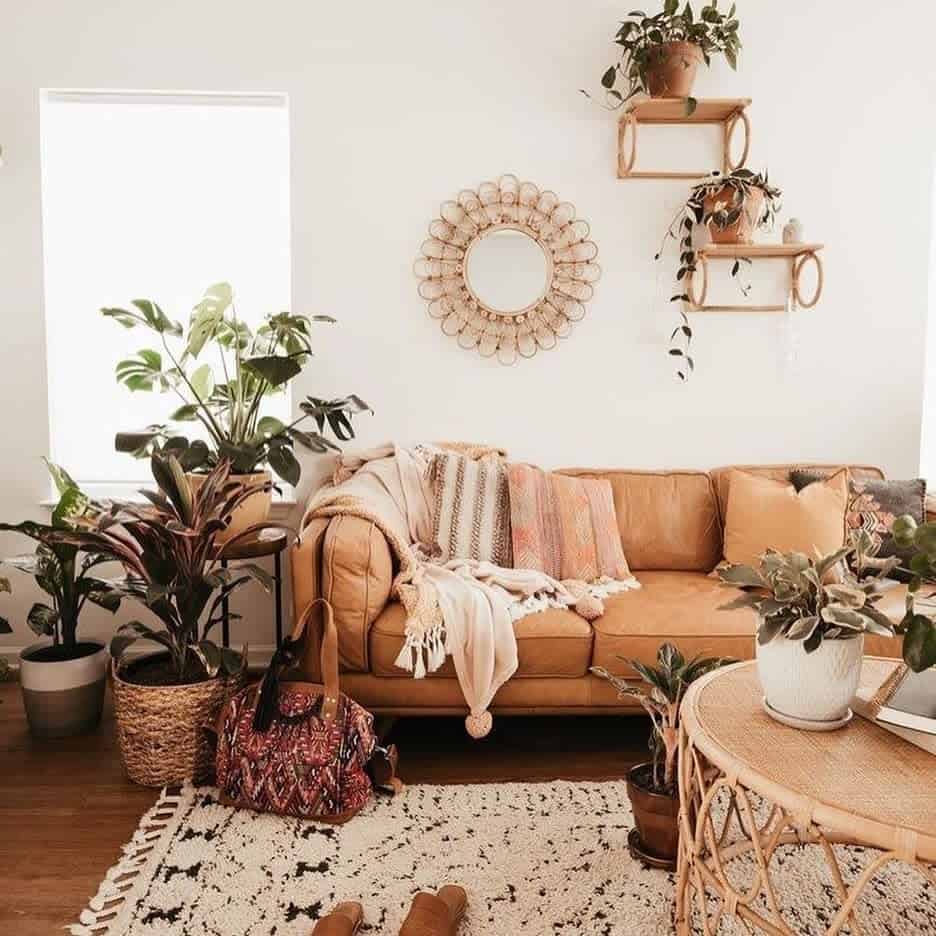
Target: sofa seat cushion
[(554, 642), (683, 608)]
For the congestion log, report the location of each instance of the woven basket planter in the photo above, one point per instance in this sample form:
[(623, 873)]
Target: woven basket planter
[(161, 729)]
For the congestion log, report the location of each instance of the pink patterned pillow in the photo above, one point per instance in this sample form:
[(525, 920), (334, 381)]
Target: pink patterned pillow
[(564, 526)]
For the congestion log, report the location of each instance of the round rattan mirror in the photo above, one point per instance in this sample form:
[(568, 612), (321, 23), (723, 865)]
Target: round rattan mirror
[(507, 269)]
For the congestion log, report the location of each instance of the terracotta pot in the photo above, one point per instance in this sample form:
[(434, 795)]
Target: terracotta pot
[(742, 231), (672, 69), (255, 509), (161, 730), (656, 817), (63, 697)]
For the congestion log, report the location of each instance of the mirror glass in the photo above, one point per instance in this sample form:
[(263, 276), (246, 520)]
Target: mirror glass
[(507, 270)]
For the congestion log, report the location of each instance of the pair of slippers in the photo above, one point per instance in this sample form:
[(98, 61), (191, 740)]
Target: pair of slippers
[(430, 915)]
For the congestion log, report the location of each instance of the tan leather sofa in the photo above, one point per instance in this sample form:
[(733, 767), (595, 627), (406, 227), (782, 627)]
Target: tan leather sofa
[(671, 529)]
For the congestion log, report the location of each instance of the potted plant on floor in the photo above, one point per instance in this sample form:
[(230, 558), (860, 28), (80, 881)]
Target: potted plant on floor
[(726, 209), (221, 374), (171, 550), (814, 613), (659, 54), (651, 786), (62, 677)]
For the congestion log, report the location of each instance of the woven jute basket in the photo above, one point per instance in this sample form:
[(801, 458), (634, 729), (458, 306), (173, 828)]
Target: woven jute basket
[(161, 730)]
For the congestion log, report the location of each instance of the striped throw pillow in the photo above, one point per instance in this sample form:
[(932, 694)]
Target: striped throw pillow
[(470, 511), (564, 526)]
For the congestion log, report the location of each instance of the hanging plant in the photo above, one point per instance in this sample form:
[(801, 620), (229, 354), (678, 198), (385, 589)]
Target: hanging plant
[(726, 208)]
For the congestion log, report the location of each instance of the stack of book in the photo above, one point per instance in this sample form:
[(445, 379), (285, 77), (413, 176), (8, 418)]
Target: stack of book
[(905, 705)]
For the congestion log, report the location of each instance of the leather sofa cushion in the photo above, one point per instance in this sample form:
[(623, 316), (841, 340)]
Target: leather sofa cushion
[(683, 608), (554, 642), (667, 519), (721, 476), (357, 572)]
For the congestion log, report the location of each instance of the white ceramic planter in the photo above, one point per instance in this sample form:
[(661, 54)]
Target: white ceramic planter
[(64, 697), (817, 686)]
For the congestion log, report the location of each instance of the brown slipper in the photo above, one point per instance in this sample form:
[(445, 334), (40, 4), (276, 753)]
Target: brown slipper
[(344, 920), (436, 914)]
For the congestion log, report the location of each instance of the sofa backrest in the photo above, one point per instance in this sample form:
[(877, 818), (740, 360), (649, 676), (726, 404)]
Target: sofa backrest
[(668, 520), (672, 520)]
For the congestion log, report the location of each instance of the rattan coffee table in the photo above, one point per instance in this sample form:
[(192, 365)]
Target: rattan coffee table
[(748, 785)]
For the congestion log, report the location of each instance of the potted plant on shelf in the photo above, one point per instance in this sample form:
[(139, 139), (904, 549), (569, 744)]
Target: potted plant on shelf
[(659, 54), (226, 392), (814, 613), (918, 630), (651, 786), (62, 677), (171, 550), (725, 208)]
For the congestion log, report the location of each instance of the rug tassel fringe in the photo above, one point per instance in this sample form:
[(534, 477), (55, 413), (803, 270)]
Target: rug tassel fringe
[(102, 908)]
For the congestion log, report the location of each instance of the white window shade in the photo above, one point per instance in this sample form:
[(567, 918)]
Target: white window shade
[(155, 196)]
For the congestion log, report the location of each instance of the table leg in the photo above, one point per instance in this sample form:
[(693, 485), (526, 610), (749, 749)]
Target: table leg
[(225, 615), (278, 597)]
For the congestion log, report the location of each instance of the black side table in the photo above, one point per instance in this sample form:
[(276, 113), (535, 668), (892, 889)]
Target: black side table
[(267, 543)]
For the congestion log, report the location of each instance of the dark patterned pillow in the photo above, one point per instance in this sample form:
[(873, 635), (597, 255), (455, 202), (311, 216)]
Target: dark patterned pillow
[(873, 505)]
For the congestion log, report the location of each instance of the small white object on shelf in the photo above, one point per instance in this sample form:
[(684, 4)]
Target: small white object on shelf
[(793, 231)]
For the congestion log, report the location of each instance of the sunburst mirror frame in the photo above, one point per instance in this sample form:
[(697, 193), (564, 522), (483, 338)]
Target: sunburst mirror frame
[(571, 269)]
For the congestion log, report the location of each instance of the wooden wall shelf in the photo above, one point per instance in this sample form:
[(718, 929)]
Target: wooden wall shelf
[(796, 254), (727, 112)]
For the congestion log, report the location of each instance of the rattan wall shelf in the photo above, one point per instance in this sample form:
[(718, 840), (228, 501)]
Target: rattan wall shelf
[(797, 254), (727, 112)]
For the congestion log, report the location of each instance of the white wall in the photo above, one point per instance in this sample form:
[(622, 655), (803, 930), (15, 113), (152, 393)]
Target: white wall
[(395, 107)]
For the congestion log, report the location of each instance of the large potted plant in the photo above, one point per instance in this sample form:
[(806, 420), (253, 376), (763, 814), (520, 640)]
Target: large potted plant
[(62, 677), (659, 54), (171, 551), (221, 373), (651, 786), (814, 613), (724, 208)]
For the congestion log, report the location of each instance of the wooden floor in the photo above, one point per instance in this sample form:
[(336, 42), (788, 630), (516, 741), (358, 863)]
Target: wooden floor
[(66, 808)]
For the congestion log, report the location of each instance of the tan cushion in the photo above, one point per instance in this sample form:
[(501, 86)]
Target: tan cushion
[(679, 607), (551, 643), (667, 519), (721, 477), (766, 514), (357, 572)]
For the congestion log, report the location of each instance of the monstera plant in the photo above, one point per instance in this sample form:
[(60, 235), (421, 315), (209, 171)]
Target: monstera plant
[(221, 372)]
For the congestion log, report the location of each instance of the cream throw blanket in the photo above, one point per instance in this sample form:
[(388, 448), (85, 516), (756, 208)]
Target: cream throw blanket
[(464, 608)]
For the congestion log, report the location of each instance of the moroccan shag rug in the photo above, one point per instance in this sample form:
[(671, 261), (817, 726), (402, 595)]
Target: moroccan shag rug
[(535, 859)]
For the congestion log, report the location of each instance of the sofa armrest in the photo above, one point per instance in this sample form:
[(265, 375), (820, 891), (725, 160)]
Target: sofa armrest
[(347, 561)]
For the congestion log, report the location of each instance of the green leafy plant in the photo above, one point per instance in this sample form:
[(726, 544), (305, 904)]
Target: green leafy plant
[(171, 555), (225, 394), (736, 189), (58, 569), (800, 597), (640, 38), (919, 630), (667, 683)]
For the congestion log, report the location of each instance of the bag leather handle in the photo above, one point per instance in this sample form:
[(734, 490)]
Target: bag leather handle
[(328, 652)]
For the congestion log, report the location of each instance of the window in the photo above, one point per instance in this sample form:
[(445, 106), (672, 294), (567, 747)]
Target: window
[(156, 196)]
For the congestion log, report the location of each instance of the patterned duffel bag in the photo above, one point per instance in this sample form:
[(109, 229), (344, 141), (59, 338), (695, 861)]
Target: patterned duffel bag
[(298, 748)]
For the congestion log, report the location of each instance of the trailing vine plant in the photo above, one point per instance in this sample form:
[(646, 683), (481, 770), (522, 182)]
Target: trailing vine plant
[(721, 214)]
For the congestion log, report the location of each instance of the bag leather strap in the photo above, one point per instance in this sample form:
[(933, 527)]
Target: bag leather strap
[(328, 652)]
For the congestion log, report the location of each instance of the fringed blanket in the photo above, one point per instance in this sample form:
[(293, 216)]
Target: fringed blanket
[(462, 608)]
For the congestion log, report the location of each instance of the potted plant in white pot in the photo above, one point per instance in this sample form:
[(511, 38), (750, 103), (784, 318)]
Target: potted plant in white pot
[(222, 373), (726, 209), (814, 613), (171, 551), (62, 677), (651, 786), (660, 54)]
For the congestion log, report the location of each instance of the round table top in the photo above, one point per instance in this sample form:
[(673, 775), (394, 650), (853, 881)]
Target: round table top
[(264, 543), (860, 781)]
